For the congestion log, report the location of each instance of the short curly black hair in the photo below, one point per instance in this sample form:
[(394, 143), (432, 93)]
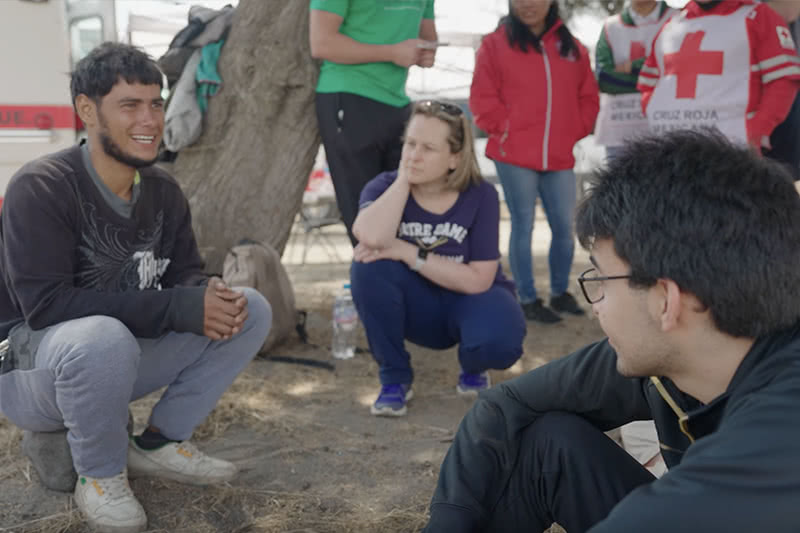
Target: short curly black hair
[(714, 217), (97, 73)]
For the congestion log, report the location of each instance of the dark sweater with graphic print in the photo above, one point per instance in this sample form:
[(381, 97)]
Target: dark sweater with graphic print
[(65, 253)]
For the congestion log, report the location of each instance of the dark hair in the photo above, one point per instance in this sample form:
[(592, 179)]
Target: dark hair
[(97, 73), (721, 222), (521, 36)]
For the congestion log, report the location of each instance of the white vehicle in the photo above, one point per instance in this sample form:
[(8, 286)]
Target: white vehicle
[(42, 40)]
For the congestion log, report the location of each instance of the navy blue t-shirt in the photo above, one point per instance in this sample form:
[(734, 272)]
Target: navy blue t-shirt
[(466, 232)]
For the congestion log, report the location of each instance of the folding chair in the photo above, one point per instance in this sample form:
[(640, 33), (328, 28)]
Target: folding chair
[(313, 218)]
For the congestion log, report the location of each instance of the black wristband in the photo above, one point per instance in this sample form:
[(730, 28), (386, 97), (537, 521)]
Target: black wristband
[(422, 254)]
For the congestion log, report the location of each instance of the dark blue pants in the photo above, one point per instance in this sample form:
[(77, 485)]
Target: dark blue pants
[(395, 304)]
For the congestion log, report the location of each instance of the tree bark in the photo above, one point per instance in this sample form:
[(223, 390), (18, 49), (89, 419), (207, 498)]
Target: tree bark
[(246, 174)]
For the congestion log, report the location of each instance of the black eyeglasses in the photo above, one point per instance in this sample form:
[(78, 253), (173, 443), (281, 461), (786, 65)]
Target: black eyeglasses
[(592, 286), (435, 105)]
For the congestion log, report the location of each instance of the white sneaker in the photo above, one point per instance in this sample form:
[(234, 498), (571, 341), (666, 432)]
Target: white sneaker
[(109, 504), (179, 461)]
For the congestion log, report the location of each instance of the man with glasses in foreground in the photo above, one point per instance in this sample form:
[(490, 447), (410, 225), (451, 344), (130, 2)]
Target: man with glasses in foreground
[(695, 244)]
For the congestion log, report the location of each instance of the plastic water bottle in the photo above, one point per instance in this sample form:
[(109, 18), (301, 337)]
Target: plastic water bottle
[(345, 325)]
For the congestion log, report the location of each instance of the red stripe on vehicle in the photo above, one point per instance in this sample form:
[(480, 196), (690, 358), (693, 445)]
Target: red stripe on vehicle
[(37, 117)]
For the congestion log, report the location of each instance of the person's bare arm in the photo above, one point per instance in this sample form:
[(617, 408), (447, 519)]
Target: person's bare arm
[(427, 32), (467, 278), (376, 224), (327, 43), (788, 9)]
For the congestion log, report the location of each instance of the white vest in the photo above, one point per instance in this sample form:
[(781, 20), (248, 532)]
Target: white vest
[(624, 39), (621, 115), (707, 81)]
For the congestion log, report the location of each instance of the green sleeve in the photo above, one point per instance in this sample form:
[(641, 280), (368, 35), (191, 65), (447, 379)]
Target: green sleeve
[(338, 7), (428, 13), (609, 80), (603, 55)]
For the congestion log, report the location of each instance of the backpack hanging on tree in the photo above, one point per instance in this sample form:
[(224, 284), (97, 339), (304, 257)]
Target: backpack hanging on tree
[(258, 265), (205, 26)]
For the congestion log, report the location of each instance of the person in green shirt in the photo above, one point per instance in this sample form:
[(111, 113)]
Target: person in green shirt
[(367, 48)]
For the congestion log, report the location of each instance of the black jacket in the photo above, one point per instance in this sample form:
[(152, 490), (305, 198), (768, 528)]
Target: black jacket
[(66, 254), (734, 463)]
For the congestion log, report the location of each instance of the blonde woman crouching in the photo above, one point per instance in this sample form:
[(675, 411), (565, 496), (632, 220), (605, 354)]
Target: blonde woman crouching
[(427, 265)]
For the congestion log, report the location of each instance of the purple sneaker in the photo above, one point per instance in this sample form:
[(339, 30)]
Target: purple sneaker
[(392, 400), (472, 384)]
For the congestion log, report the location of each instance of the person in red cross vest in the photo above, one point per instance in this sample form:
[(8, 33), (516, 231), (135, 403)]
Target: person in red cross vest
[(730, 65), (621, 50)]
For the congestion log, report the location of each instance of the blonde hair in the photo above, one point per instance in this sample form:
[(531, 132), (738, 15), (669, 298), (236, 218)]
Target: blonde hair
[(459, 139)]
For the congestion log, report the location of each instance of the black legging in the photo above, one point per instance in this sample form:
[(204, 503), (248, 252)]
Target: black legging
[(362, 138)]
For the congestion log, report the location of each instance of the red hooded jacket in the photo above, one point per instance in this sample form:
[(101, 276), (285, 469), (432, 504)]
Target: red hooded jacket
[(534, 106)]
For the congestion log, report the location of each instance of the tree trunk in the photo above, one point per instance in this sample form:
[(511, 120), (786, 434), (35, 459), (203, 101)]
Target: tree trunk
[(246, 174)]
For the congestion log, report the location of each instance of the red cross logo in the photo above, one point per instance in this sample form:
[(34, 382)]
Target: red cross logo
[(689, 62), (637, 51)]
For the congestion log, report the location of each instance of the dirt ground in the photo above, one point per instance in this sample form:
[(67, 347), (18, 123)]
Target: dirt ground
[(312, 458)]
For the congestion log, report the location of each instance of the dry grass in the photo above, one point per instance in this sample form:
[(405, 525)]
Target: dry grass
[(226, 508), (322, 464), (69, 521), (11, 462), (305, 512), (237, 509), (244, 403)]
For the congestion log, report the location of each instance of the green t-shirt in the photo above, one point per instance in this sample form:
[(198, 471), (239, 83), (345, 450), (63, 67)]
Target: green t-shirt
[(373, 22)]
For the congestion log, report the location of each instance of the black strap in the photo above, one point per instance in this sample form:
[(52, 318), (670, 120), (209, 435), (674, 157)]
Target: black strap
[(301, 361)]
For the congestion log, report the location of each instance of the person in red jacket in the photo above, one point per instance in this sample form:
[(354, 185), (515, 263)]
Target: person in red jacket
[(534, 93)]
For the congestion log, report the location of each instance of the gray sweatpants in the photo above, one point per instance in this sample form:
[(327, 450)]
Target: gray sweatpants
[(87, 371)]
